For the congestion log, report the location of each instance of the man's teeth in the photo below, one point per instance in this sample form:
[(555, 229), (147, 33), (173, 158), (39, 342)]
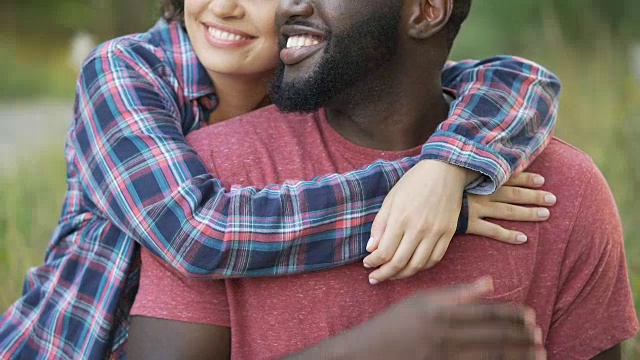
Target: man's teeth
[(227, 36), (299, 41)]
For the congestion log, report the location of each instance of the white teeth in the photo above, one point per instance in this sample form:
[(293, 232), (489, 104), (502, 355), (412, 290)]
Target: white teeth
[(225, 36), (299, 41)]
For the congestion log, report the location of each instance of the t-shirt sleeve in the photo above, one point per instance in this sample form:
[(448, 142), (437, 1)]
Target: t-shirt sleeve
[(166, 294), (594, 307)]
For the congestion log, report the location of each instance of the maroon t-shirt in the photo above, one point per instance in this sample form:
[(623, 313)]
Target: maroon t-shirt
[(572, 270)]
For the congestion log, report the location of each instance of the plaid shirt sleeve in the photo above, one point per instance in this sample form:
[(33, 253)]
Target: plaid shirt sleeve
[(139, 172), (502, 119)]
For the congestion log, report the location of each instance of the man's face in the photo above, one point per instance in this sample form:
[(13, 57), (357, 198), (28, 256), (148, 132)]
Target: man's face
[(329, 45)]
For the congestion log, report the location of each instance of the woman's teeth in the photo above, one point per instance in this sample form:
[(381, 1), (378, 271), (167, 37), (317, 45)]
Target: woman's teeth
[(299, 41), (226, 36)]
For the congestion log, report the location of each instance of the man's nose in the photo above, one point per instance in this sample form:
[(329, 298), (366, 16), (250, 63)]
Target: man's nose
[(224, 9), (294, 8)]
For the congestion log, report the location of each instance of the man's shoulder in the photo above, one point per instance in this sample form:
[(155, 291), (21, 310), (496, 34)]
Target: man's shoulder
[(583, 195), (561, 160)]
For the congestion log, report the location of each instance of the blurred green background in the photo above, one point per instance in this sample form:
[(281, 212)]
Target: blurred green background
[(592, 45)]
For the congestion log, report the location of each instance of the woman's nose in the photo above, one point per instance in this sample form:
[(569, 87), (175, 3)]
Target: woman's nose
[(224, 9)]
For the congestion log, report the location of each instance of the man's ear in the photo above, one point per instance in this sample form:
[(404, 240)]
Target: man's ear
[(428, 17)]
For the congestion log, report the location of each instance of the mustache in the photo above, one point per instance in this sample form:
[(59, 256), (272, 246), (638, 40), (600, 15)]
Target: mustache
[(300, 22)]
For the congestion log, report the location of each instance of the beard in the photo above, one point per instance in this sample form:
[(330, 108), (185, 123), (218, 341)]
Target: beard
[(348, 58)]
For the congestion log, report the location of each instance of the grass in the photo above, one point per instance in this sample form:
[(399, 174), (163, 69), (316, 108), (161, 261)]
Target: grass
[(35, 70), (600, 113), (30, 201)]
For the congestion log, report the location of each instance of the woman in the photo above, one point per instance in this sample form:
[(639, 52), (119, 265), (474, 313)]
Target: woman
[(133, 178)]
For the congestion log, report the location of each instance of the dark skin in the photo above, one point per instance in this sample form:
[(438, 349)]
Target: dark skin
[(385, 110)]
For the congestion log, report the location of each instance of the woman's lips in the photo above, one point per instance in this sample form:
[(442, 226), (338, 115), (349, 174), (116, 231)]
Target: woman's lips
[(224, 38)]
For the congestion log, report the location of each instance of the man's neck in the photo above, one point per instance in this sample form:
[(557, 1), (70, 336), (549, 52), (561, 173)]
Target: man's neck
[(238, 95), (389, 110)]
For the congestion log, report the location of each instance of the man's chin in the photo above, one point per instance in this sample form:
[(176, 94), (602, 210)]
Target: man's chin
[(297, 74)]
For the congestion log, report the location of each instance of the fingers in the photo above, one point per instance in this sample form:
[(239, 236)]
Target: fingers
[(379, 224), (419, 260), (525, 179), (398, 262), (523, 196), (491, 327), (503, 211), (487, 336), (461, 294), (439, 251), (496, 232), (489, 313), (387, 247)]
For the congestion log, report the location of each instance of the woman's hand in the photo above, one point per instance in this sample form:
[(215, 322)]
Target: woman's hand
[(418, 218), (505, 205)]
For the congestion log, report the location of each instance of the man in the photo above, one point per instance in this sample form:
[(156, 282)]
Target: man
[(370, 64)]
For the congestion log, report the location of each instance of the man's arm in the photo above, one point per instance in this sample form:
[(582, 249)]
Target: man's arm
[(443, 324), (159, 339), (615, 353)]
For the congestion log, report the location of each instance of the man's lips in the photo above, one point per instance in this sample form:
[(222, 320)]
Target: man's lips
[(302, 43)]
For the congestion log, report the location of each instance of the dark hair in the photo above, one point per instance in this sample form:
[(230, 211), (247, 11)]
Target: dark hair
[(172, 10), (459, 14)]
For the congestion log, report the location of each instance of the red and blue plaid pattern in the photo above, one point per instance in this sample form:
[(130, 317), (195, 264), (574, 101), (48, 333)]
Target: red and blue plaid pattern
[(132, 178)]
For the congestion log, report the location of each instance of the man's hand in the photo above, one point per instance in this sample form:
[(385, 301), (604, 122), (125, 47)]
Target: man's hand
[(445, 324)]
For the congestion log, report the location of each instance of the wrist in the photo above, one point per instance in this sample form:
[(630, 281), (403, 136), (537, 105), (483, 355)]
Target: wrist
[(458, 176)]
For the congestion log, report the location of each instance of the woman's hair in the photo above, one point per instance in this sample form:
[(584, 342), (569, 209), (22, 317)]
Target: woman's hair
[(172, 10)]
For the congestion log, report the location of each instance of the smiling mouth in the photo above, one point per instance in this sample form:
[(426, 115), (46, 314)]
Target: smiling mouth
[(225, 36), (301, 41)]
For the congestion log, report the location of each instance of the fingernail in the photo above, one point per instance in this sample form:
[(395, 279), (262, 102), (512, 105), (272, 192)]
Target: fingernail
[(542, 355), (373, 281), (550, 199), (530, 318), (366, 265), (369, 243), (544, 213), (537, 336), (484, 283), (538, 180), (522, 238)]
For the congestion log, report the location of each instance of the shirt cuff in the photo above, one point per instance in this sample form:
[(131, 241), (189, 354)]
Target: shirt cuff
[(458, 150)]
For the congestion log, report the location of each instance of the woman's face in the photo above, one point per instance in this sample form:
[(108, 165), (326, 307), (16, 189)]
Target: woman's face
[(234, 37)]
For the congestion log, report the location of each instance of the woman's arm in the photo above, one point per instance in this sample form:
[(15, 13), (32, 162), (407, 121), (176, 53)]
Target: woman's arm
[(128, 149), (503, 117)]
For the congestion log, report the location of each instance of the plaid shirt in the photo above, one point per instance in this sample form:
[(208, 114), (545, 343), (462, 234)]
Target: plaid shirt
[(132, 178)]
